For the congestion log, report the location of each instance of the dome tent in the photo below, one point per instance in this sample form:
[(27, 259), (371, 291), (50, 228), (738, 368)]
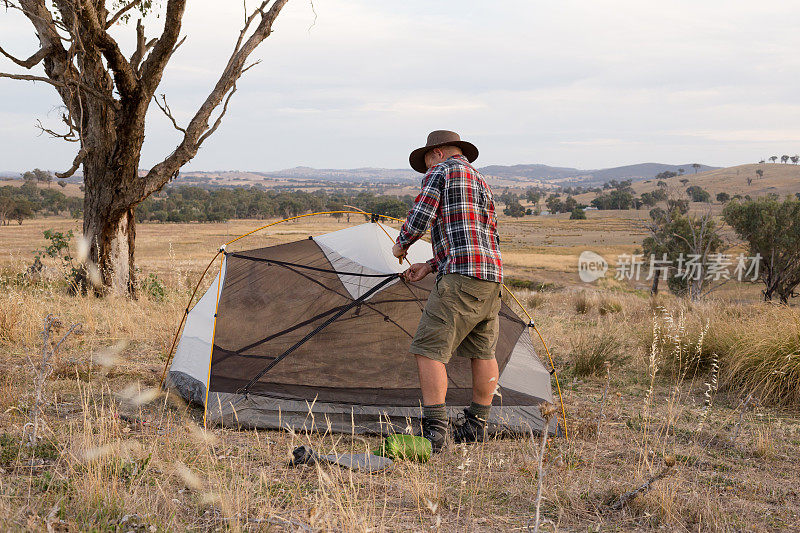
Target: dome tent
[(314, 334)]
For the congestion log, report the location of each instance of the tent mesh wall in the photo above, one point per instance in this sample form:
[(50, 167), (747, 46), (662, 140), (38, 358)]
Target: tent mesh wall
[(274, 297)]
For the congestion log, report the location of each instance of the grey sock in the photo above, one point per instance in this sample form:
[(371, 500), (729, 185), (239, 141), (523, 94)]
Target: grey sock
[(437, 411), (481, 411)]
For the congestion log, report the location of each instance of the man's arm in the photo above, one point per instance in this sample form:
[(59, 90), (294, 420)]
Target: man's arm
[(426, 205)]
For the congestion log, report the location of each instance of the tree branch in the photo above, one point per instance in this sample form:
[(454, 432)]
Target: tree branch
[(217, 122), (75, 164), (32, 61), (174, 48), (153, 67), (123, 74), (167, 111), (54, 83), (69, 136), (198, 130), (121, 12), (142, 47)]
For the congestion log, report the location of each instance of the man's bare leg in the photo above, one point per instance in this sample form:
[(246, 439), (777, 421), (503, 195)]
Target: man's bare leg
[(484, 380), (432, 380), (484, 383)]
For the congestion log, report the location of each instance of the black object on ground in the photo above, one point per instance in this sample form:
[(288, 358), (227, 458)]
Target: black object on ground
[(435, 430), (472, 429), (362, 462)]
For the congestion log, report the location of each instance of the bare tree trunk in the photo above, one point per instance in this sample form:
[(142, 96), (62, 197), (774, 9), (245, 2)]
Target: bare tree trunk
[(112, 246), (654, 286)]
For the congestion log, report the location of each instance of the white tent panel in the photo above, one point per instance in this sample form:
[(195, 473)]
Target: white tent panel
[(355, 285), (366, 249), (194, 349), (524, 372), (371, 248)]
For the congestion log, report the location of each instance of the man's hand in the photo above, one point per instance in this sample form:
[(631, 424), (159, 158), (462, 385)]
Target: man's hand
[(399, 252), (417, 271)]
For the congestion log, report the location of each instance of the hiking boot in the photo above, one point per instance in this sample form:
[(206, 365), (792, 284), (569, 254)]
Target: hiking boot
[(435, 430), (472, 429)]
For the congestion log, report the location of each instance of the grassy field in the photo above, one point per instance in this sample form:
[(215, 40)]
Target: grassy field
[(703, 397)]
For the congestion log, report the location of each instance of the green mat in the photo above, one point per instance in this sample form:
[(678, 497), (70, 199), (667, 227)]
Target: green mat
[(408, 447)]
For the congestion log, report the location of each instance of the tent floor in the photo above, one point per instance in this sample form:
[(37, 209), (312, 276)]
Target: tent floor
[(252, 411)]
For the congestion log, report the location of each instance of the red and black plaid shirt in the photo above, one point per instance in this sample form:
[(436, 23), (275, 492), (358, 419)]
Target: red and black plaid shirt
[(458, 202)]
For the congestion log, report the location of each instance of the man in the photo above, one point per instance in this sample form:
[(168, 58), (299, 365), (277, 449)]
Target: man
[(461, 313)]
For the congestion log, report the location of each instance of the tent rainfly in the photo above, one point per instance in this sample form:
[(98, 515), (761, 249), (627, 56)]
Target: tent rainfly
[(313, 335)]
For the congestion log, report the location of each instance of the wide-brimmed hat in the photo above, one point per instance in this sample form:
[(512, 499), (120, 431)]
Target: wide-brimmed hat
[(437, 139)]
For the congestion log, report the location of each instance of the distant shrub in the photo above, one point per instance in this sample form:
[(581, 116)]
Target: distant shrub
[(514, 209), (609, 304), (771, 228), (583, 303), (591, 352), (698, 194), (153, 287), (577, 214)]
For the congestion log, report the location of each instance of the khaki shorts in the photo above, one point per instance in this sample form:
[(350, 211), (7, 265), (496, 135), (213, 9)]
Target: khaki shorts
[(460, 317)]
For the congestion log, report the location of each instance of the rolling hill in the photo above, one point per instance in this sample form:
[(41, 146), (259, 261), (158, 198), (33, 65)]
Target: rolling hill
[(586, 177), (514, 176), (778, 178), (505, 175)]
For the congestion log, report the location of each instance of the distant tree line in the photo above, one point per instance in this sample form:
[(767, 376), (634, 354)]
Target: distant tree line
[(784, 159), (27, 201), (40, 176), (197, 204)]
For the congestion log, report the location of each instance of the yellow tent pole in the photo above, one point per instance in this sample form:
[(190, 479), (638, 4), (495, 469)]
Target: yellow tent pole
[(307, 215), (547, 350), (185, 314), (213, 333)]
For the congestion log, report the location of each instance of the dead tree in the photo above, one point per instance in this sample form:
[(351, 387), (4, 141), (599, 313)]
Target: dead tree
[(106, 96)]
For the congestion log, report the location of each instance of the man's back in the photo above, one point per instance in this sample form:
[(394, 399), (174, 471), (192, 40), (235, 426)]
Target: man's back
[(459, 204)]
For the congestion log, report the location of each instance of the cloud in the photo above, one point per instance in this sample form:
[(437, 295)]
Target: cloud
[(599, 142), (574, 83), (746, 136)]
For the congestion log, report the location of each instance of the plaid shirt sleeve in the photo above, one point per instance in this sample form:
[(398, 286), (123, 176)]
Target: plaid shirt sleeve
[(425, 210)]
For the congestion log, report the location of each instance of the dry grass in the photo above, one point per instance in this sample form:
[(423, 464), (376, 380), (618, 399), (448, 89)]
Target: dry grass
[(115, 458), (609, 304), (583, 302), (591, 351), (536, 300), (757, 348)]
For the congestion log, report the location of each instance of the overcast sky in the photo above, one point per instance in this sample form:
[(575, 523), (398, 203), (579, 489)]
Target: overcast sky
[(579, 83)]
